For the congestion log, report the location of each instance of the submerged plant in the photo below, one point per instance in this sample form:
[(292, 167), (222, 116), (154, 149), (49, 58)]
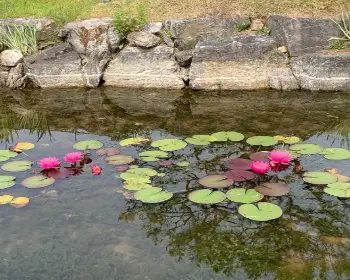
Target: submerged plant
[(49, 163)]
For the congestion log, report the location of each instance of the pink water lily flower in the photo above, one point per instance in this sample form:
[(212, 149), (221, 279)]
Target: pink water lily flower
[(96, 170), (279, 157), (49, 163), (73, 158), (260, 167)]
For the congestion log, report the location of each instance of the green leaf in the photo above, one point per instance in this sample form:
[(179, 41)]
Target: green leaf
[(206, 196), (38, 181), (182, 163), (169, 145), (287, 139), (200, 140), (306, 149), (338, 189), (7, 182), (336, 153), (241, 195), (134, 178), (6, 155), (119, 159), (319, 178), (17, 166), (136, 185), (228, 135), (153, 195), (215, 181), (142, 171), (263, 212), (150, 156), (133, 141), (88, 145), (262, 141)]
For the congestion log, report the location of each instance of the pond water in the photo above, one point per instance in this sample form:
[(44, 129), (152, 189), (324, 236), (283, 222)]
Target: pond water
[(83, 227)]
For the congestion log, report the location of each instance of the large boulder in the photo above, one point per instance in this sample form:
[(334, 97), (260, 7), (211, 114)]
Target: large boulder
[(187, 32), (302, 35), (144, 68), (56, 67), (10, 58), (243, 62), (95, 40), (143, 39), (323, 71)]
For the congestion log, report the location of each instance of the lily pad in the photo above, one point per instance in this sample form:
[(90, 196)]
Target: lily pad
[(5, 199), (200, 140), (241, 195), (62, 173), (287, 139), (263, 212), (336, 153), (273, 189), (338, 189), (260, 156), (24, 146), (7, 182), (182, 163), (319, 178), (153, 155), (108, 151), (306, 149), (165, 163), (293, 154), (119, 159), (135, 178), (215, 181), (122, 168), (206, 196), (20, 202), (227, 135), (237, 175), (239, 163), (136, 185), (153, 195), (262, 141), (88, 145), (38, 181), (133, 141), (17, 166), (6, 155), (169, 145), (142, 171)]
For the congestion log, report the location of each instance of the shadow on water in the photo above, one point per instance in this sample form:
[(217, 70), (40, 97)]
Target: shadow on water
[(83, 227)]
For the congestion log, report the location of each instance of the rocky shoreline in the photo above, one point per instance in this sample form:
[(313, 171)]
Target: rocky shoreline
[(282, 53)]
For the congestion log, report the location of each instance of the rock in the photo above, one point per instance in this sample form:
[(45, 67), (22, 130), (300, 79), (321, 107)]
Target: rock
[(4, 73), (16, 77), (95, 40), (302, 35), (283, 49), (153, 27), (241, 63), (187, 32), (11, 58), (257, 24), (144, 68), (323, 71), (56, 67), (184, 58), (166, 39), (143, 39)]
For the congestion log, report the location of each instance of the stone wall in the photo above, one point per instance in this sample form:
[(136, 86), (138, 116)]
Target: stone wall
[(203, 54)]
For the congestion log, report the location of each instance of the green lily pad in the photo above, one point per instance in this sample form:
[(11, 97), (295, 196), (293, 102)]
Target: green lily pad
[(182, 163), (306, 149), (287, 139), (38, 181), (135, 178), (262, 141), (17, 166), (133, 141), (6, 155), (136, 185), (206, 196), (200, 140), (142, 171), (150, 156), (320, 178), (169, 145), (338, 189), (215, 181), (153, 195), (336, 153), (119, 159), (88, 145), (263, 212), (241, 195), (228, 135), (7, 182), (161, 174)]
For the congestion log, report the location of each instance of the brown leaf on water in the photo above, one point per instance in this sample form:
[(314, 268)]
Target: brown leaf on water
[(20, 202)]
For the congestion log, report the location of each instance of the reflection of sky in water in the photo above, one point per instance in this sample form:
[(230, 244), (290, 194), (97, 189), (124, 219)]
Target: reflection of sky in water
[(90, 231)]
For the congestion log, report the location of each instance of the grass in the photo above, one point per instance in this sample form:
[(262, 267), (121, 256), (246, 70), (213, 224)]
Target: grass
[(68, 10)]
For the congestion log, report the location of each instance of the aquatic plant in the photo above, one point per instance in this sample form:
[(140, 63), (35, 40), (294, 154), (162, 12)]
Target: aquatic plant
[(73, 158), (49, 163), (279, 157), (95, 169), (260, 167)]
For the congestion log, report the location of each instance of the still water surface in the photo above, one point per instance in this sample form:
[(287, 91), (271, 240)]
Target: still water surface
[(84, 228)]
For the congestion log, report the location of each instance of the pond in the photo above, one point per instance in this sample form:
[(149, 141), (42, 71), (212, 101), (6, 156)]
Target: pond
[(88, 226)]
